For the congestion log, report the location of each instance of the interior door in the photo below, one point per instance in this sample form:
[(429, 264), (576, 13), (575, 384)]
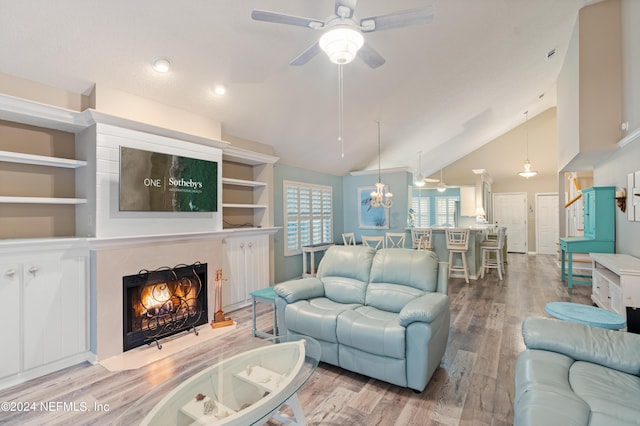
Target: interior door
[(547, 230), (510, 210)]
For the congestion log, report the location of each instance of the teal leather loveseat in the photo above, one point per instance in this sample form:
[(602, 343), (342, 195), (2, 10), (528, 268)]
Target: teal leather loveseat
[(384, 314), (573, 374)]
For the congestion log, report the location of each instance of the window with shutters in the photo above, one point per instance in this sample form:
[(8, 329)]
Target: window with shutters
[(446, 210), (308, 211), (421, 210), (431, 209)]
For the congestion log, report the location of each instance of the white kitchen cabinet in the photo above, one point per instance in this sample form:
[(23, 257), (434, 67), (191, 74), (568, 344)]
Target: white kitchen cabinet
[(246, 268), (44, 297)]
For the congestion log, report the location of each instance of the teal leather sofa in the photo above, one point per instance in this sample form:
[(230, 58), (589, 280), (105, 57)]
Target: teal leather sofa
[(573, 374), (384, 313)]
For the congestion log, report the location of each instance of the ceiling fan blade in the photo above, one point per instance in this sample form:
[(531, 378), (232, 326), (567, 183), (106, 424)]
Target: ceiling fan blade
[(370, 56), (281, 18), (345, 7), (400, 19), (430, 180), (307, 55)]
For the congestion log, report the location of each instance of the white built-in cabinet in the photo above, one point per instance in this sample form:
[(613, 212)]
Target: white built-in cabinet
[(246, 267), (247, 180), (45, 309), (616, 282)]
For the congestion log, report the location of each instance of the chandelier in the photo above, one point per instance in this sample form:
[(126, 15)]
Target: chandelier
[(380, 197), (527, 173)]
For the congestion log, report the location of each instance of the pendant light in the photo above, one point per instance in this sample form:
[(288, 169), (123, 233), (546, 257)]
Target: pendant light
[(380, 197), (419, 181), (527, 172)]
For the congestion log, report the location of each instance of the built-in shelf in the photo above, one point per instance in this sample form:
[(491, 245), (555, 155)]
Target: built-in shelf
[(40, 160), (41, 200), (244, 206), (242, 182)]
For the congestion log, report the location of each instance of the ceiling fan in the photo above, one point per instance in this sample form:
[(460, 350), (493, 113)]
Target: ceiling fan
[(420, 179), (342, 37), (441, 186)]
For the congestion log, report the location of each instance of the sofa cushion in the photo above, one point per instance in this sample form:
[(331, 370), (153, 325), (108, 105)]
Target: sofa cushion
[(372, 330), (400, 275), (612, 394), (315, 317), (344, 272), (543, 395)]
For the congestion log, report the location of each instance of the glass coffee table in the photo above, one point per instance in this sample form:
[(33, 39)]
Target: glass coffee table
[(244, 389)]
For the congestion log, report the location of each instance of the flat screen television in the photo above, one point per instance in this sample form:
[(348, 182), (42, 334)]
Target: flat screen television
[(153, 181)]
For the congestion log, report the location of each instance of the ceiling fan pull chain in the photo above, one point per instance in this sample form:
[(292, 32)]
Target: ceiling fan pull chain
[(340, 110)]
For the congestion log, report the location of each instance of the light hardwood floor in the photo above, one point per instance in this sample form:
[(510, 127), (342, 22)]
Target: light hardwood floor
[(473, 386)]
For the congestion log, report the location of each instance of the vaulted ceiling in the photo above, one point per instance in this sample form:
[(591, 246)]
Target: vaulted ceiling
[(447, 87)]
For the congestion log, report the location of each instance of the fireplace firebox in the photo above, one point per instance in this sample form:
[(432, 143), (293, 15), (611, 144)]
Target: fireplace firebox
[(163, 302)]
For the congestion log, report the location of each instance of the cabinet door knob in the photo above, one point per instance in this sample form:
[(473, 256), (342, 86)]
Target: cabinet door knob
[(10, 272), (250, 244), (241, 245), (33, 270)]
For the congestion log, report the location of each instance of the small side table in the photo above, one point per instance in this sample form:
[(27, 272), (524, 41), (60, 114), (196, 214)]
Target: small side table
[(311, 250), (585, 314), (264, 295)]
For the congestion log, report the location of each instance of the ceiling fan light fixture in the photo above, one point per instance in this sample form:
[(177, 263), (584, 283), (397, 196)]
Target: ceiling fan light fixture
[(341, 44), (441, 187)]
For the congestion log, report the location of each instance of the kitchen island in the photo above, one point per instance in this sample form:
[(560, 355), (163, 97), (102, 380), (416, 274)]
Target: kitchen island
[(477, 234)]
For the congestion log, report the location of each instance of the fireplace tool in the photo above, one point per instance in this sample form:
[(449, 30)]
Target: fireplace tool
[(219, 320)]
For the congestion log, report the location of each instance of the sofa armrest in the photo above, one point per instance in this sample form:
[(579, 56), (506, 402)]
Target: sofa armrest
[(425, 308), (614, 349), (305, 288)]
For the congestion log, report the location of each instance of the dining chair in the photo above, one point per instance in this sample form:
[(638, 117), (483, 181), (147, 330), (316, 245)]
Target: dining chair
[(395, 239), (349, 238), (458, 242), (377, 242)]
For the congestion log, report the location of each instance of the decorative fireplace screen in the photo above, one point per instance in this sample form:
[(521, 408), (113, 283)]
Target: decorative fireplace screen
[(163, 302)]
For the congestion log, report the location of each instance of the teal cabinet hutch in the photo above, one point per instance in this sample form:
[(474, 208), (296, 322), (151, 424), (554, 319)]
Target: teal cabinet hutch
[(599, 231)]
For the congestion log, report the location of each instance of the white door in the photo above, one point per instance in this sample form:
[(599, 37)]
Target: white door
[(510, 210), (547, 232)]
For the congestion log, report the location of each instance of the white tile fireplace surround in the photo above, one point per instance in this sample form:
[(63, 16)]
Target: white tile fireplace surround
[(113, 258)]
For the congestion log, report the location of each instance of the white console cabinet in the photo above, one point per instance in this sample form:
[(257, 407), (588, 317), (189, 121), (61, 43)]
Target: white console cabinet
[(616, 282), (45, 297)]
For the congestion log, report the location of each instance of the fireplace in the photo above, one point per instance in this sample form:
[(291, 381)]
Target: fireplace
[(163, 302)]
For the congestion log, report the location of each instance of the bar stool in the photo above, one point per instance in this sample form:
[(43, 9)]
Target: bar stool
[(494, 247), (416, 234), (425, 242), (458, 242)]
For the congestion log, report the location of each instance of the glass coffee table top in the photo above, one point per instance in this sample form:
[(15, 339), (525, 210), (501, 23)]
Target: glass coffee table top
[(238, 390)]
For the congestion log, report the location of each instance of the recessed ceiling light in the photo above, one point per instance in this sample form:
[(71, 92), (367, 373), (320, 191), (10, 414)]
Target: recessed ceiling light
[(162, 65), (219, 89)]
